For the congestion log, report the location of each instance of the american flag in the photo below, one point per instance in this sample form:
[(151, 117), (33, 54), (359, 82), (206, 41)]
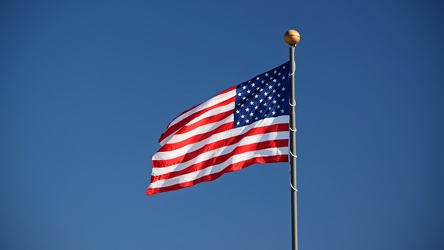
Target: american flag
[(243, 125)]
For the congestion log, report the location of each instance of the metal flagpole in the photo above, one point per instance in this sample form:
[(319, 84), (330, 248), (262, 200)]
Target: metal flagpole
[(292, 37)]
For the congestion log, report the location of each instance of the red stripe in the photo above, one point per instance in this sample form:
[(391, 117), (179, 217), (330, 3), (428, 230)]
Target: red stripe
[(186, 120), (223, 92), (182, 114), (218, 144), (196, 138), (207, 120), (218, 159), (234, 167)]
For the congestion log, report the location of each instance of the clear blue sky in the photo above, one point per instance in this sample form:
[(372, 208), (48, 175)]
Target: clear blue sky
[(87, 87)]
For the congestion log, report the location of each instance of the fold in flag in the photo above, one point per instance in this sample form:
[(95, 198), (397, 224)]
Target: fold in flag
[(243, 125)]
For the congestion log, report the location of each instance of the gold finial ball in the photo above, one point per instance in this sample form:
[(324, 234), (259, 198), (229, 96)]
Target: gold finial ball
[(292, 37)]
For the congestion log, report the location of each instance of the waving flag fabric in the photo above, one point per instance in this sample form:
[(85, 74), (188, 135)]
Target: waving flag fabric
[(243, 125)]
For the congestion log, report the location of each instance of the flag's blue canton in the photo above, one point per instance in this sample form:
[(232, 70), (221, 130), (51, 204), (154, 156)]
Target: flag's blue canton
[(266, 95)]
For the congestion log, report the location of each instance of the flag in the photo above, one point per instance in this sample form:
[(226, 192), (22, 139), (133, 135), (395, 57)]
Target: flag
[(243, 125)]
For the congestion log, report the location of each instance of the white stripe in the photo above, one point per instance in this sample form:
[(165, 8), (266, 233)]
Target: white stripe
[(217, 137), (211, 102), (221, 151), (209, 113), (219, 167), (226, 134)]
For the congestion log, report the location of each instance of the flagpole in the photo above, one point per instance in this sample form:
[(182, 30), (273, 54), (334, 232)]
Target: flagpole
[(292, 38)]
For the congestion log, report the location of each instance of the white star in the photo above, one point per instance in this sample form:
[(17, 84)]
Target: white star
[(244, 87), (273, 113), (247, 109), (242, 116), (247, 121), (251, 114), (283, 88), (252, 85)]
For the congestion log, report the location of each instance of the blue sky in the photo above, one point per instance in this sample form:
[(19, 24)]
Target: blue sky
[(87, 87)]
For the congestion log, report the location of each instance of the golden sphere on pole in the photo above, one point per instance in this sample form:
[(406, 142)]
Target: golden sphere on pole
[(292, 37)]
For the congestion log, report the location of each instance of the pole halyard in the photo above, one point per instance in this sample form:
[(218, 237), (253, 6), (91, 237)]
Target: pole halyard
[(292, 37), (293, 156)]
